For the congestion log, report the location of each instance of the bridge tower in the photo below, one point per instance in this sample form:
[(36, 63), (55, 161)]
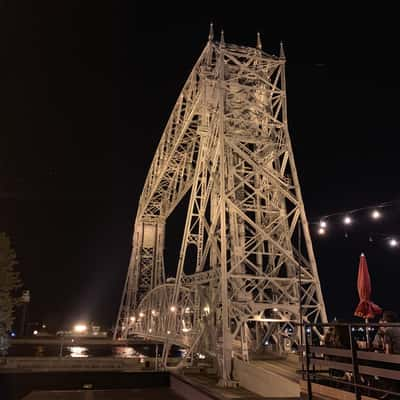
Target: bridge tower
[(246, 272)]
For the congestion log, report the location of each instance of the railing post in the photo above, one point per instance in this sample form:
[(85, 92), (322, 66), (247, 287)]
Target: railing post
[(61, 346), (354, 362), (309, 387), (156, 357)]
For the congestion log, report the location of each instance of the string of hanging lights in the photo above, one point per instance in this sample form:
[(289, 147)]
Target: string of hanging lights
[(348, 217)]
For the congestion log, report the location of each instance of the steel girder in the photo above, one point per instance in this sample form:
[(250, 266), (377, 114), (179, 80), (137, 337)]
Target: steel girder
[(227, 142)]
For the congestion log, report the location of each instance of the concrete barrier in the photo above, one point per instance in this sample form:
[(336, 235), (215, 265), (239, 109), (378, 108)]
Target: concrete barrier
[(22, 364)]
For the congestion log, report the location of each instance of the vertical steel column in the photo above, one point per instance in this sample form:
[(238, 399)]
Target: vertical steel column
[(226, 335)]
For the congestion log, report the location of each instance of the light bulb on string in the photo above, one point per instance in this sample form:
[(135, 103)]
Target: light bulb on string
[(347, 220), (376, 214)]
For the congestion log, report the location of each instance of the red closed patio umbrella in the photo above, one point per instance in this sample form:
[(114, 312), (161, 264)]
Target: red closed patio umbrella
[(366, 308)]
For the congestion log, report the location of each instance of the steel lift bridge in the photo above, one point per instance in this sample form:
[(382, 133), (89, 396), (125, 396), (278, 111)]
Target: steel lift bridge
[(246, 260)]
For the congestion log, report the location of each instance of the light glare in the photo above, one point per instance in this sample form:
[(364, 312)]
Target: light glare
[(321, 231), (80, 328), (393, 242), (78, 352), (376, 214), (347, 220), (322, 224)]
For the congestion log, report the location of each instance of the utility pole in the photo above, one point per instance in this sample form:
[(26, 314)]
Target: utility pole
[(25, 300)]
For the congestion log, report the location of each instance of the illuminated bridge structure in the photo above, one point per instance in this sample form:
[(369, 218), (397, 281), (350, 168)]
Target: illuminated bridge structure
[(246, 261)]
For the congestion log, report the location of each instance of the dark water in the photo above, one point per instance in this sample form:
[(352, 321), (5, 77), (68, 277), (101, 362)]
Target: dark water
[(120, 394), (109, 384), (140, 351), (76, 351)]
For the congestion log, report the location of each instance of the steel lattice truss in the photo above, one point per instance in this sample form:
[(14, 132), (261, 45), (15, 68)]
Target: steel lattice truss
[(227, 144)]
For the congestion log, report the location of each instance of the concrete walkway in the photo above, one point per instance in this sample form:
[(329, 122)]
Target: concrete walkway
[(286, 367), (208, 385)]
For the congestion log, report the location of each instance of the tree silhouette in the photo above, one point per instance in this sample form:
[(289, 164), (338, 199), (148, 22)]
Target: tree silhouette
[(9, 282)]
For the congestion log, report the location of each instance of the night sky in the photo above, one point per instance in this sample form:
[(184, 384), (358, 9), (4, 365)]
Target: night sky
[(85, 95)]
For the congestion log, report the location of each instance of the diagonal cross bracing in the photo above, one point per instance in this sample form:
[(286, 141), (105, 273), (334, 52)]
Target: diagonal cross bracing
[(226, 142)]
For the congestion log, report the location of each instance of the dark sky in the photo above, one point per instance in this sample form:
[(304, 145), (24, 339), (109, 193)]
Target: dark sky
[(85, 94)]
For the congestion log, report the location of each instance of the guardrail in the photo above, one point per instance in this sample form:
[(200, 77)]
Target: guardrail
[(29, 364), (350, 367)]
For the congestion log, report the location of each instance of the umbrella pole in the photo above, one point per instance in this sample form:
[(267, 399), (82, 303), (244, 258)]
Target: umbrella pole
[(367, 332)]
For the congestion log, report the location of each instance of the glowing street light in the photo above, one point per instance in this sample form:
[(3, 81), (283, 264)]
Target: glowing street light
[(80, 328), (375, 214), (153, 313), (347, 220), (35, 332), (133, 319), (321, 231), (141, 314), (172, 308), (323, 224), (275, 309), (393, 242)]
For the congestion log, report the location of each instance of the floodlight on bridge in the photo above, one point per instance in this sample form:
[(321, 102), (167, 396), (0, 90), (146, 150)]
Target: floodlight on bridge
[(80, 328)]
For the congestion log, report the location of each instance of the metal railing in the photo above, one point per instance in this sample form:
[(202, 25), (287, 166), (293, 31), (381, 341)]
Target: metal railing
[(350, 362)]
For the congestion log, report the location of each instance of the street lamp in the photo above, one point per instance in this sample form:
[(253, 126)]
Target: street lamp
[(80, 328)]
